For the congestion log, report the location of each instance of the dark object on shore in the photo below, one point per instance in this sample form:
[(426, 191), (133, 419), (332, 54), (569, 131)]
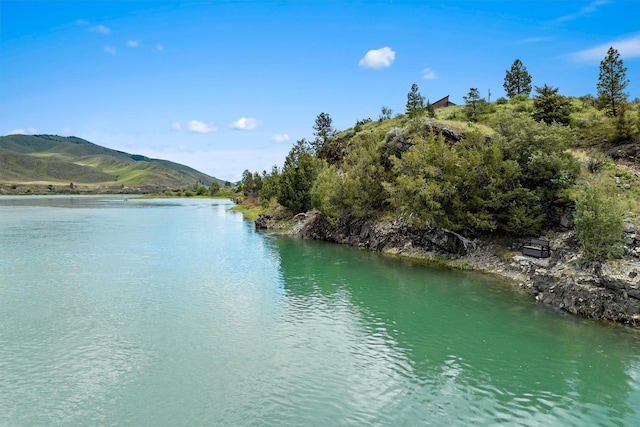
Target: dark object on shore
[(537, 248)]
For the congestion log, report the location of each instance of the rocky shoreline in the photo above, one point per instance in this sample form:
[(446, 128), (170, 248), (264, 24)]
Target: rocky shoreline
[(598, 290)]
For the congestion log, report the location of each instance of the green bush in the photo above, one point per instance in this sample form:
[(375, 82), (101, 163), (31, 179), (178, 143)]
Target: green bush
[(599, 224)]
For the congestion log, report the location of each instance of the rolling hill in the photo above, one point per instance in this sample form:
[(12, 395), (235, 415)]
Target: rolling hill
[(51, 159)]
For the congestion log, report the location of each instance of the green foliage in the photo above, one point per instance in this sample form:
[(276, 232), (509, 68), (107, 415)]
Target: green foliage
[(415, 102), (612, 82), (517, 80), (359, 123), (599, 224), (323, 130), (540, 152), (623, 126), (299, 173), (430, 111), (356, 189), (385, 113), (214, 188), (326, 194), (474, 104), (270, 186), (469, 185), (551, 107)]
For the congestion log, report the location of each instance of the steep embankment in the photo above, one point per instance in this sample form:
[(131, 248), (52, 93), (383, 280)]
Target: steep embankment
[(55, 160), (596, 290)]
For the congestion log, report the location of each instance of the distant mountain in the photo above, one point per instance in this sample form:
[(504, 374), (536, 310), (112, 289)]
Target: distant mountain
[(55, 159)]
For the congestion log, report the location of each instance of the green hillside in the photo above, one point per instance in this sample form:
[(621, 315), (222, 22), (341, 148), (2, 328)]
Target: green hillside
[(51, 159)]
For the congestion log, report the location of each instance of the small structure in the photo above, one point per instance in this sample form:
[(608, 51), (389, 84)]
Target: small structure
[(444, 102), (538, 248)]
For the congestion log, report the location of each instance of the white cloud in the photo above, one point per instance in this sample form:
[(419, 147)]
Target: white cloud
[(159, 47), (245, 123), (378, 58), (280, 138), (110, 49), (133, 43), (584, 11), (100, 29), (200, 127), (628, 48), (28, 131), (429, 74), (176, 126)]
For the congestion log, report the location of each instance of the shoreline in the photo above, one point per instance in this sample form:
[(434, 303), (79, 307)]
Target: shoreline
[(607, 291)]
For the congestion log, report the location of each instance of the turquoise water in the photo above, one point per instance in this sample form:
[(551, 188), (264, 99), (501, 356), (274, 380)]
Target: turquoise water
[(177, 312)]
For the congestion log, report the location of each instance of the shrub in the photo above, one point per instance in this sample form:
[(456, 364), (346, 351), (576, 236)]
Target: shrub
[(599, 224)]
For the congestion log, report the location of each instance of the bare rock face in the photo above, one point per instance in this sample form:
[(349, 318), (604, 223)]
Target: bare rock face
[(392, 236)]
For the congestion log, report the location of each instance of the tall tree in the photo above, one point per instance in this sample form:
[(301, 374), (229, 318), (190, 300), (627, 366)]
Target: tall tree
[(299, 172), (474, 104), (517, 81), (324, 130), (551, 107), (415, 102), (612, 82)]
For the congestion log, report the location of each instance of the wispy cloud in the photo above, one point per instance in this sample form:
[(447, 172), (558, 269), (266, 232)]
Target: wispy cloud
[(378, 58), (133, 43), (628, 48), (110, 49), (28, 131), (591, 8), (245, 123), (280, 138), (100, 29), (176, 126), (537, 39), (201, 127), (428, 74)]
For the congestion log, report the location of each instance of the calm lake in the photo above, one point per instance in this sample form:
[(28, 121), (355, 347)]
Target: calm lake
[(177, 312)]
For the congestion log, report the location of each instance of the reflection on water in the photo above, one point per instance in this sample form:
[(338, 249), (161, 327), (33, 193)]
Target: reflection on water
[(176, 312)]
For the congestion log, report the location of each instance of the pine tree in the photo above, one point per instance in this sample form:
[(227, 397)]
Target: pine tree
[(474, 104), (324, 130), (612, 82), (517, 81), (415, 102), (551, 107)]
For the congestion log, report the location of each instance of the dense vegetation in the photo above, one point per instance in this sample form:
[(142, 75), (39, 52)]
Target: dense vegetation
[(507, 166)]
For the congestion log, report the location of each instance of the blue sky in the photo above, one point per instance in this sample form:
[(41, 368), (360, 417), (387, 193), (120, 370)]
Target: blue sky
[(224, 86)]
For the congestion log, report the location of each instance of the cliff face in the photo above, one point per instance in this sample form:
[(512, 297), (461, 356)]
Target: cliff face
[(609, 290)]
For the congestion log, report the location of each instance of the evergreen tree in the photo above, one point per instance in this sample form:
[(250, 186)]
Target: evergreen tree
[(517, 81), (324, 130), (612, 82), (551, 107), (474, 104), (415, 102), (298, 175)]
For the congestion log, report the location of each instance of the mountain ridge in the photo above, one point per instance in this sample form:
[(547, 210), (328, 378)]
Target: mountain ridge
[(53, 159)]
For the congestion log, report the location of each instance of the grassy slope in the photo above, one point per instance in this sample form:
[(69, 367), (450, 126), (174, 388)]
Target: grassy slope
[(55, 159)]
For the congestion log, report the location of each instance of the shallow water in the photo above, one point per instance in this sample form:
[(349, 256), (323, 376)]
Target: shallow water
[(177, 312)]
